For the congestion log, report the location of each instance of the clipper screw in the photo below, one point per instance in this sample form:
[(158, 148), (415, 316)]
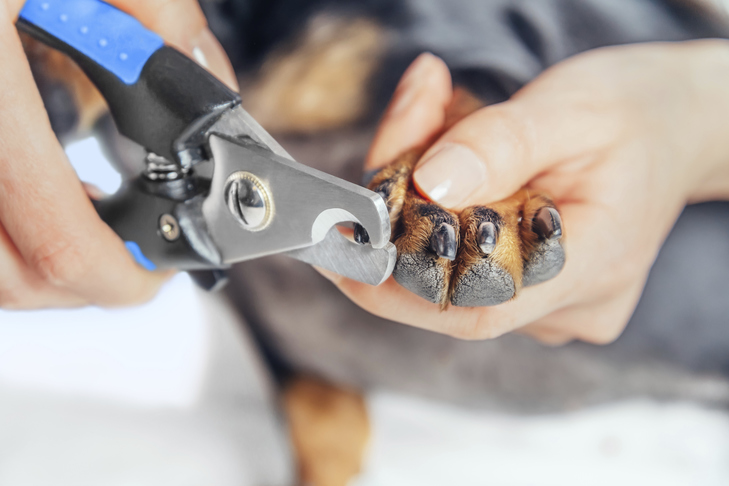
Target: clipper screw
[(169, 227), (248, 201)]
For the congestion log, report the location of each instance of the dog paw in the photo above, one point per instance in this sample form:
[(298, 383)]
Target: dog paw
[(480, 256)]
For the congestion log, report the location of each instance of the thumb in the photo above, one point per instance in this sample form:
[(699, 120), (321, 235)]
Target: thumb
[(182, 24), (416, 112), (497, 150)]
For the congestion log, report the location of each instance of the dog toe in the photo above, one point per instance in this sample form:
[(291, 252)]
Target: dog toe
[(488, 267), (546, 255)]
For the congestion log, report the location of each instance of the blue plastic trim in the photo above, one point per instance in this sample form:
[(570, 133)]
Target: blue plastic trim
[(136, 252), (109, 37)]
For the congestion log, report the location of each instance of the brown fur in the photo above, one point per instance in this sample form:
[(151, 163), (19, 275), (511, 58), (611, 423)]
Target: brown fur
[(398, 174), (330, 430), (320, 82)]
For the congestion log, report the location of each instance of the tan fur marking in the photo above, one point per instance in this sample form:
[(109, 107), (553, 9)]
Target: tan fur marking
[(532, 202), (399, 173), (319, 82), (330, 430)]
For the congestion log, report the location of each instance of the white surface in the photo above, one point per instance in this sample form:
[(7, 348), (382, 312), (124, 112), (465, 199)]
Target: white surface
[(91, 166), (152, 355), (629, 444)]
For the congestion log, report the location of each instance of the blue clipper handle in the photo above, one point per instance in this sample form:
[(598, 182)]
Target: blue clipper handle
[(157, 96), (112, 39), (109, 37)]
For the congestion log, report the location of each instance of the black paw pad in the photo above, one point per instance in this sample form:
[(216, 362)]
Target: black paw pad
[(483, 284), (421, 274)]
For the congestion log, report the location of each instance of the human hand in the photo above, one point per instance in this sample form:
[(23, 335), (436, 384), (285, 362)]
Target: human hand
[(621, 138), (54, 249)]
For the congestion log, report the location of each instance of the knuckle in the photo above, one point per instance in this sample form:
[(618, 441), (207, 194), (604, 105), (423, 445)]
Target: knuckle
[(510, 129), (13, 297), (60, 264)]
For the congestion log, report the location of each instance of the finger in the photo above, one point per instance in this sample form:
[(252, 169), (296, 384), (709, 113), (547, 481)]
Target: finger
[(416, 112), (600, 322), (44, 208), (494, 152), (546, 334), (182, 24), (20, 288)]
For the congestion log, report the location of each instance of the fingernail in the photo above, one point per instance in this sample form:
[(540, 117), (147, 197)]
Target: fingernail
[(208, 52), (451, 175), (409, 85)]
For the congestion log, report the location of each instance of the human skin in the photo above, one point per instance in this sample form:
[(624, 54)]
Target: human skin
[(622, 138), (54, 249)]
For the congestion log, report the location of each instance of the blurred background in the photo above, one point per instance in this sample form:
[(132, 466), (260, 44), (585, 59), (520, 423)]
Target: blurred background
[(175, 393)]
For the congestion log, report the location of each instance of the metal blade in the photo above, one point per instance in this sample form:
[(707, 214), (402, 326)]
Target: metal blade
[(358, 262), (305, 205)]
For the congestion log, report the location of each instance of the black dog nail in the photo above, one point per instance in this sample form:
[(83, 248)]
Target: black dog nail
[(360, 234), (443, 241), (547, 224), (487, 237)]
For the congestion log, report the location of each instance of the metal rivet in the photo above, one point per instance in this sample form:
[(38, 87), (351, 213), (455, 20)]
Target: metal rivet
[(169, 227), (84, 30), (123, 56), (64, 18), (248, 201), (103, 42)]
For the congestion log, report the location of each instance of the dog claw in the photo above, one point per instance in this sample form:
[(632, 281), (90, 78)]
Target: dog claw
[(487, 237), (443, 241), (360, 234), (547, 224)]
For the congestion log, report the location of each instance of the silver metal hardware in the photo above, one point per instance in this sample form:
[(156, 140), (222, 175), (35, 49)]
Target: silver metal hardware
[(248, 201), (169, 227), (160, 169)]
